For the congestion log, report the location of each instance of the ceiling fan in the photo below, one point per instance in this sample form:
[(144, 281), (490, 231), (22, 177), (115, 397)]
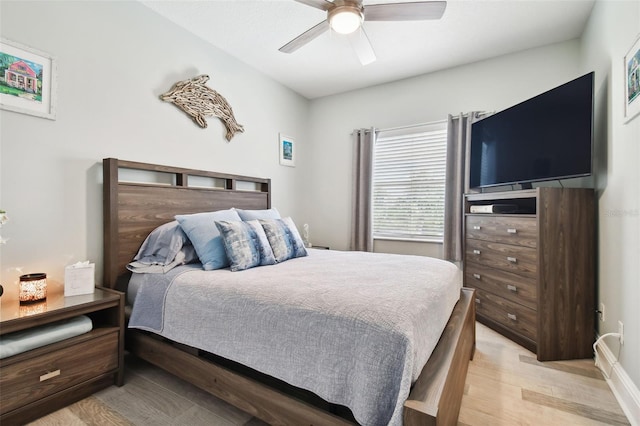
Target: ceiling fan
[(347, 16)]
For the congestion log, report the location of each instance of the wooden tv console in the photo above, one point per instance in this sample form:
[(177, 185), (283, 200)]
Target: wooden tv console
[(534, 268)]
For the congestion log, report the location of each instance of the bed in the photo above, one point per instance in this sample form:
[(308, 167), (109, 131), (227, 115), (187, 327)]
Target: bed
[(133, 209)]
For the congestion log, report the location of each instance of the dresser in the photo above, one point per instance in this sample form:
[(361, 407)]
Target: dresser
[(533, 268), (47, 378)]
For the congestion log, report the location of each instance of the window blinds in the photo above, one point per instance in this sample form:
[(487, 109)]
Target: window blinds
[(408, 183)]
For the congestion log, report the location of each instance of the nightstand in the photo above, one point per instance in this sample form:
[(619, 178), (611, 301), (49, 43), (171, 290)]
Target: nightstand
[(45, 379)]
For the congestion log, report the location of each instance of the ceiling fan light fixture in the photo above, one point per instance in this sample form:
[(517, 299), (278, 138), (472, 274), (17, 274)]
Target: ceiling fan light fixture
[(345, 19)]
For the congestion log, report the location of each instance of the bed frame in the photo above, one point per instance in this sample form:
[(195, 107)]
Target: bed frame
[(133, 209)]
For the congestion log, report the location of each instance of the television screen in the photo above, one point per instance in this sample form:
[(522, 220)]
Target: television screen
[(547, 137)]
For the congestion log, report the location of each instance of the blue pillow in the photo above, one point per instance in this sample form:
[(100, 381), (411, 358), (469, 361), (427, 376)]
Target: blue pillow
[(165, 247), (246, 244), (258, 214), (284, 238), (205, 237)]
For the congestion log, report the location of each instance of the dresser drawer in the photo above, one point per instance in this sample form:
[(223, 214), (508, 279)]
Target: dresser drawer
[(517, 259), (32, 379), (516, 288), (520, 231), (518, 318)]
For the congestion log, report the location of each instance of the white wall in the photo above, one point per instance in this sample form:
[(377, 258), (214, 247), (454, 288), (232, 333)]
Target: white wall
[(489, 85), (114, 59), (612, 29)]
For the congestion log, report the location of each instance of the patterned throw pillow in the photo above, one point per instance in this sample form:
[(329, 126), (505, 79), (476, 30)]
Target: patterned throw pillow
[(246, 244), (284, 238)]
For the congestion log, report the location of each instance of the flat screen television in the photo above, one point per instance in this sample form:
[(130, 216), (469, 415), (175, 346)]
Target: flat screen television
[(547, 137)]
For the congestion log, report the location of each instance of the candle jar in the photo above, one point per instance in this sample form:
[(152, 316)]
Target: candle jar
[(33, 287)]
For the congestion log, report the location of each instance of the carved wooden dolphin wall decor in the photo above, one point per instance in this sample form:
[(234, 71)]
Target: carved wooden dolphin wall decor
[(199, 101)]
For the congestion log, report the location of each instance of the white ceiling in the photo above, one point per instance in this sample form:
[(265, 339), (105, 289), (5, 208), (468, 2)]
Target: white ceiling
[(469, 31)]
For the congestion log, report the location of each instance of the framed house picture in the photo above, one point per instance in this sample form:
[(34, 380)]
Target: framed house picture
[(632, 81), (287, 151), (27, 80)]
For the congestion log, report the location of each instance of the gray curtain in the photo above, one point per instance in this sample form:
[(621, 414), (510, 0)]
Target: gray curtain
[(457, 182), (361, 216)]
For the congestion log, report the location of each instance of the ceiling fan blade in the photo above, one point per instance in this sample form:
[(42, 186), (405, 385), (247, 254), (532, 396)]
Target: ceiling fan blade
[(361, 44), (318, 4), (412, 11), (305, 37)]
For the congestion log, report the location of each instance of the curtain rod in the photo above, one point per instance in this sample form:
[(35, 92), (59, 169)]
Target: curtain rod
[(412, 125), (405, 127), (466, 114), (479, 113)]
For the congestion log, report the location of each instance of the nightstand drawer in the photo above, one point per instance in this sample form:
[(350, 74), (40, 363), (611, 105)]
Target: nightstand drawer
[(520, 231), (32, 379), (516, 288), (518, 318), (516, 259)]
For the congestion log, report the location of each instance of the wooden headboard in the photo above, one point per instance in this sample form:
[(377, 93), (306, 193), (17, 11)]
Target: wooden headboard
[(132, 209)]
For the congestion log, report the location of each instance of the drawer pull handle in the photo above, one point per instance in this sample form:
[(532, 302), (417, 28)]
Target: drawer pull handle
[(476, 276), (512, 231), (512, 317), (476, 252), (512, 259), (512, 288), (49, 375), (476, 227), (477, 300)]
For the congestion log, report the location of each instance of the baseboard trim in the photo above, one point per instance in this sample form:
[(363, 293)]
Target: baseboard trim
[(625, 391)]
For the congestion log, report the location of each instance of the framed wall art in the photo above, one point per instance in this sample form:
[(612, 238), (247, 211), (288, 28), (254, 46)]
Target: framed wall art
[(632, 81), (287, 151), (27, 80)]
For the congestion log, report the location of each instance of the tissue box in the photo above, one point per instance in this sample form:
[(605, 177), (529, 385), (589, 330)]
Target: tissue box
[(79, 279)]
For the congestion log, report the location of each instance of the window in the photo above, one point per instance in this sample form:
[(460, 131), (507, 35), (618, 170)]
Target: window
[(408, 183)]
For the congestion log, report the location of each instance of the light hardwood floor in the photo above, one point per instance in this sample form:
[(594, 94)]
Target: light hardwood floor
[(505, 386)]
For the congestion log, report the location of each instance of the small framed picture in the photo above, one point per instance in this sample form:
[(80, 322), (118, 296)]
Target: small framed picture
[(27, 80), (632, 81), (287, 151)]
